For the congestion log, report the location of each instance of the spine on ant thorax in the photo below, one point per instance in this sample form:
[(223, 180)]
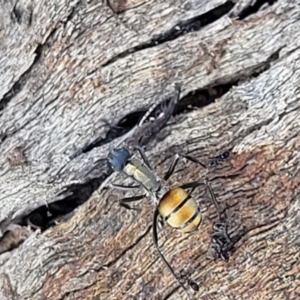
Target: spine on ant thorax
[(141, 173)]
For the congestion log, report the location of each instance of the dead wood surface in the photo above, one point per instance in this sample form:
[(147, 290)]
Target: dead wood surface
[(67, 65)]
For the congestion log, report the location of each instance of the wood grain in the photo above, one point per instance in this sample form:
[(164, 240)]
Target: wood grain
[(67, 65)]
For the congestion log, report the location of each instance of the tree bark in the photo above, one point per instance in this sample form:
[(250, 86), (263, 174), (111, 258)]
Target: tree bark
[(66, 66)]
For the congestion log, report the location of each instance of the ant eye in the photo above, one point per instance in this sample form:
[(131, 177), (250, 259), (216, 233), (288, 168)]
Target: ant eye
[(194, 286), (225, 155)]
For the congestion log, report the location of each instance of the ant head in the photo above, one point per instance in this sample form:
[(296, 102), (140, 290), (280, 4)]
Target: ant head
[(118, 158)]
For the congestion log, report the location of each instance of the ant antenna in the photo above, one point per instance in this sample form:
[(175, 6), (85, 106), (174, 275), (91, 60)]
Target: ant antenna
[(146, 115)]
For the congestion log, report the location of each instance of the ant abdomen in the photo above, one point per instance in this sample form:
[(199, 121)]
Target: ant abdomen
[(180, 210)]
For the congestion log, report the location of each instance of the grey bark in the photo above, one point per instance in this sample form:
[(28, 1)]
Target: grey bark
[(67, 65)]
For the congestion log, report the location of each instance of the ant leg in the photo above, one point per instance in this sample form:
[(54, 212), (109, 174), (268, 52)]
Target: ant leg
[(162, 113), (123, 202), (138, 126), (124, 187), (175, 161), (110, 126), (220, 239), (195, 184), (161, 222), (143, 155), (154, 105), (181, 279)]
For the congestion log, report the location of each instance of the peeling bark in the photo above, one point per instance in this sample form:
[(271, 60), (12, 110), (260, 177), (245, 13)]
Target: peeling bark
[(66, 66)]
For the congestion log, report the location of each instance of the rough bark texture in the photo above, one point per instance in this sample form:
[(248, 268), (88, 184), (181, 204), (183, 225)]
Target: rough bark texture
[(66, 65)]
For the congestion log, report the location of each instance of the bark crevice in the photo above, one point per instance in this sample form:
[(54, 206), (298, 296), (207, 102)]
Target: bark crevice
[(180, 29), (253, 9)]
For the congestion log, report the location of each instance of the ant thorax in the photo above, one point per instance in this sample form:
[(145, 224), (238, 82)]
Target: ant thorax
[(141, 173)]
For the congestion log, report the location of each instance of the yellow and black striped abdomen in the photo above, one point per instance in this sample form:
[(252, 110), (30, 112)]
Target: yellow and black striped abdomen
[(180, 210)]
